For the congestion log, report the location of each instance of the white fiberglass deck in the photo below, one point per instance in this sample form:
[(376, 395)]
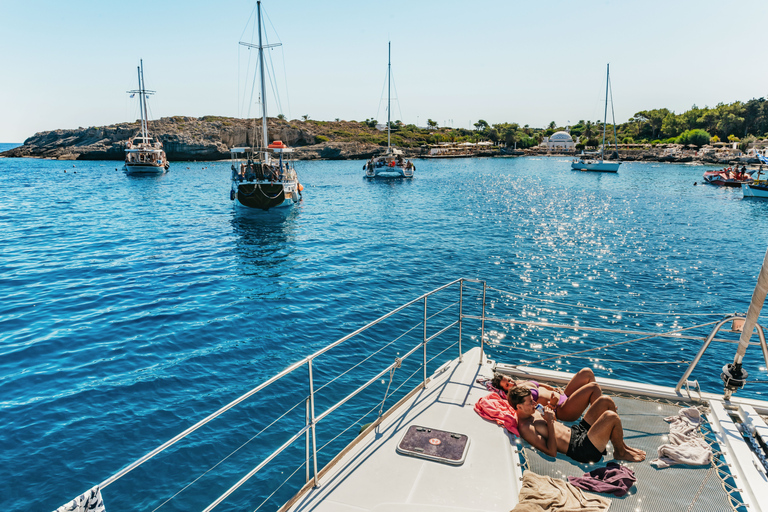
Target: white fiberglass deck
[(373, 476)]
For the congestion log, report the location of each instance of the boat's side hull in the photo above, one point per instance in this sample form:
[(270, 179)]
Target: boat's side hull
[(755, 190), (596, 166), (144, 169)]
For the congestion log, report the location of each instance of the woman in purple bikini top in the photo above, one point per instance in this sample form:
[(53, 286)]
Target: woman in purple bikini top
[(569, 403)]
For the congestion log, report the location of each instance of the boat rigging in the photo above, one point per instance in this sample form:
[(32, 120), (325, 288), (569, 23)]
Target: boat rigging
[(262, 175)]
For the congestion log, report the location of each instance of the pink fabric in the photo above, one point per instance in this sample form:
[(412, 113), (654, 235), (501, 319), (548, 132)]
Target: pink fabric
[(494, 408)]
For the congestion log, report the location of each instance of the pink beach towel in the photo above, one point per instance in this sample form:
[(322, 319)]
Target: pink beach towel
[(494, 408)]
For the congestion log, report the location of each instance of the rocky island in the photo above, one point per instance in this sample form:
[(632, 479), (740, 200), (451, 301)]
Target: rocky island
[(210, 137)]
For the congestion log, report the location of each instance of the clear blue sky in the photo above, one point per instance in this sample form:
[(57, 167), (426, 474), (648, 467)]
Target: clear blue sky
[(68, 64)]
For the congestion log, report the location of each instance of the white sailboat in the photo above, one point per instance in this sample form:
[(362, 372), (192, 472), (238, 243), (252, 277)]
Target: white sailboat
[(262, 176), (143, 153), (584, 163), (391, 164)]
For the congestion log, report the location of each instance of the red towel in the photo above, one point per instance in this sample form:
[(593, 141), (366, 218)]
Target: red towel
[(494, 408)]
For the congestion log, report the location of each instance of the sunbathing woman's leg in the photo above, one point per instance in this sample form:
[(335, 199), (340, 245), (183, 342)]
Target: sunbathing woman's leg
[(582, 378), (578, 401)]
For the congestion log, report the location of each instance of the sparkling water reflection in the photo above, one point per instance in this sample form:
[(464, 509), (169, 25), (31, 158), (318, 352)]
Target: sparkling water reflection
[(134, 306)]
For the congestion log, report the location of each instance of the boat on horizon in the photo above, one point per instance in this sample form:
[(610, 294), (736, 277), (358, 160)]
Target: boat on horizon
[(263, 176), (585, 162), (392, 164), (144, 154)]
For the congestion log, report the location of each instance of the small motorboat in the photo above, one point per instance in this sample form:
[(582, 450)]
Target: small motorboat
[(728, 177)]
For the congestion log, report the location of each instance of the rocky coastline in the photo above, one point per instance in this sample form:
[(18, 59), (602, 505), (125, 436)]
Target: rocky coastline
[(209, 138)]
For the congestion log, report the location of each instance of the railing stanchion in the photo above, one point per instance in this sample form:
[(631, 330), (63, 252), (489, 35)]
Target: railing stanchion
[(461, 302), (306, 443), (312, 420), (482, 330), (424, 342)]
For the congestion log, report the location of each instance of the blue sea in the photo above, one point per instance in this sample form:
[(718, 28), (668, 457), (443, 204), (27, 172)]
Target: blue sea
[(134, 307)]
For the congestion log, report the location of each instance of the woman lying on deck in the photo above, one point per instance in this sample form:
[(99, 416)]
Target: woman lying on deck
[(568, 403)]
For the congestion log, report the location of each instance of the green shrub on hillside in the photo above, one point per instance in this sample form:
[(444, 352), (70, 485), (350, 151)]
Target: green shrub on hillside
[(696, 137)]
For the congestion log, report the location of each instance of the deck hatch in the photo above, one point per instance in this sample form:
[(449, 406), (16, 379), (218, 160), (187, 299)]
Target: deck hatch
[(434, 444)]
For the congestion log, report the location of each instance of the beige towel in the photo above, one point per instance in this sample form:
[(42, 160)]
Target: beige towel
[(685, 445), (557, 496)]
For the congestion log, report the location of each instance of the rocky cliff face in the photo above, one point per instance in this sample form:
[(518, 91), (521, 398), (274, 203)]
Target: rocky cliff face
[(187, 138)]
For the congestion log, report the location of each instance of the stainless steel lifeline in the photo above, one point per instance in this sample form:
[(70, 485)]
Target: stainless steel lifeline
[(309, 428)]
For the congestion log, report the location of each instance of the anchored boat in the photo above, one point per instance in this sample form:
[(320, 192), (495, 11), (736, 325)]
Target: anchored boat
[(143, 153), (263, 177), (396, 428), (392, 164), (584, 162), (728, 177)]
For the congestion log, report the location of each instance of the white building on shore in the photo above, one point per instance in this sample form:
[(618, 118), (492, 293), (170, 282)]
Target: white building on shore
[(561, 141)]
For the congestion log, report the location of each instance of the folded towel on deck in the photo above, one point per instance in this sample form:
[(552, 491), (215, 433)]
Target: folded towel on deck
[(557, 496)]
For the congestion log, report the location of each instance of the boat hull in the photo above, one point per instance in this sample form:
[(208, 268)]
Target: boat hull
[(755, 190), (264, 196), (389, 167), (598, 166), (134, 169)]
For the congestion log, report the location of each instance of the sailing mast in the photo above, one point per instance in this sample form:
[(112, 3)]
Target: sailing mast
[(261, 46), (265, 138), (142, 107), (605, 115), (389, 93)]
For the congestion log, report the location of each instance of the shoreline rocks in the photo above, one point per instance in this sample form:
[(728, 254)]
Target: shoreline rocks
[(209, 138)]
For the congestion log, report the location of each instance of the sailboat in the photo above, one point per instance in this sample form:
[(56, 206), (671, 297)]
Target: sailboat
[(143, 153), (584, 163), (391, 164), (262, 175)]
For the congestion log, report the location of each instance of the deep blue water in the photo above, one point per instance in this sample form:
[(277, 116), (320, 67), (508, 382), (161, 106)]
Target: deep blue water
[(133, 307)]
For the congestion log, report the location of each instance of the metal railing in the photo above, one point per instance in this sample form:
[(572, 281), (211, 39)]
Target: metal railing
[(734, 319), (309, 424), (312, 418)]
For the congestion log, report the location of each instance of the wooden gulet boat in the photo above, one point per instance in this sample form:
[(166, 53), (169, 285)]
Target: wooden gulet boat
[(263, 178), (143, 153)]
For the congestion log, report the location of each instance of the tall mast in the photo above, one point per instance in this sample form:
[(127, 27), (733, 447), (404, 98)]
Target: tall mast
[(613, 120), (142, 100), (265, 138), (389, 95), (605, 116)]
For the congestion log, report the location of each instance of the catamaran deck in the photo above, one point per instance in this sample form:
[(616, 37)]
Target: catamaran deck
[(372, 476)]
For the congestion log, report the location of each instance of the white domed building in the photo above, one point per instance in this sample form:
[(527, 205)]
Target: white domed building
[(561, 141)]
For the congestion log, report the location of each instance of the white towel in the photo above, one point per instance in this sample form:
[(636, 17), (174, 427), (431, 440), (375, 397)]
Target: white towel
[(89, 501), (685, 446)]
